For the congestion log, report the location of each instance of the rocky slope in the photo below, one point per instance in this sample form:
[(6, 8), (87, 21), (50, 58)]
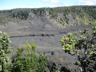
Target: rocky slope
[(62, 16)]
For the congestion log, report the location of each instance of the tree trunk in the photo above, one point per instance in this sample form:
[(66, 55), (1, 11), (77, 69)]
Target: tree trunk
[(84, 67), (2, 67)]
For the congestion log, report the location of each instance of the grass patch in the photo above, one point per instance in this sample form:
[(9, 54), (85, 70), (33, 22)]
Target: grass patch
[(87, 22)]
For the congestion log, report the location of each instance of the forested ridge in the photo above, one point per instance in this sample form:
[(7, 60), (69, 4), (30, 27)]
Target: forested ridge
[(58, 15)]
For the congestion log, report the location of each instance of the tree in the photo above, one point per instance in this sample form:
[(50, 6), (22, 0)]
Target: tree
[(83, 46), (31, 62), (4, 49)]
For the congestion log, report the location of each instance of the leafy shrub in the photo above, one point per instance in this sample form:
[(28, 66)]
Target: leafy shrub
[(83, 46), (32, 62), (4, 49)]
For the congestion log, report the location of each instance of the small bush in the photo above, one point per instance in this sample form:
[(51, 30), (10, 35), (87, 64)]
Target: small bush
[(31, 62), (4, 49), (83, 46)]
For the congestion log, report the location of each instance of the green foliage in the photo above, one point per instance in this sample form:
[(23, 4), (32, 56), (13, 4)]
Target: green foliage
[(83, 47), (39, 11), (57, 71), (74, 16), (33, 46), (20, 13), (17, 15), (54, 15), (51, 12), (94, 28), (67, 20), (90, 10), (4, 49), (31, 62)]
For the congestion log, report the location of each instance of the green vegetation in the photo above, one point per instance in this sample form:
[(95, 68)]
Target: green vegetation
[(17, 15), (90, 10), (31, 62), (20, 13), (87, 22), (54, 15), (4, 49), (80, 10), (83, 46), (66, 19), (39, 11)]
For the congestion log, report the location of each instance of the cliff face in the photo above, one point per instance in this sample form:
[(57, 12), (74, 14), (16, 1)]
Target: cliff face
[(62, 16)]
